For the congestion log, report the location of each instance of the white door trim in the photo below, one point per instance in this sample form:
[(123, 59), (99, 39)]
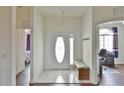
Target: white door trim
[(13, 46)]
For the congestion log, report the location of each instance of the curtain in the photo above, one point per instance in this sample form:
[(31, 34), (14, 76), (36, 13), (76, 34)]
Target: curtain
[(28, 42), (115, 42)]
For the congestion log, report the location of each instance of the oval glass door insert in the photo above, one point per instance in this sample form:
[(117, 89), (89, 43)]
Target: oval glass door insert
[(60, 49)]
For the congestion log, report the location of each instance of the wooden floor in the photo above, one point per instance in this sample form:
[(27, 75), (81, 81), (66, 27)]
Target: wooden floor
[(115, 77), (23, 78)]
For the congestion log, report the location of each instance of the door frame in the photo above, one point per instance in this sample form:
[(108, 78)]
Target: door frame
[(14, 44), (97, 43)]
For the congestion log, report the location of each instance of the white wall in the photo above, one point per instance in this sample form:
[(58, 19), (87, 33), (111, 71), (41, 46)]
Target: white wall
[(23, 16), (37, 66), (120, 60), (120, 26), (87, 44), (20, 60), (103, 14), (54, 25), (5, 46)]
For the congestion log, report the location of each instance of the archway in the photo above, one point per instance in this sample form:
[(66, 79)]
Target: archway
[(111, 72)]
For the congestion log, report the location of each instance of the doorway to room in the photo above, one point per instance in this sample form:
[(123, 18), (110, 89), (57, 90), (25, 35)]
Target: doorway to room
[(23, 57), (23, 44), (109, 46)]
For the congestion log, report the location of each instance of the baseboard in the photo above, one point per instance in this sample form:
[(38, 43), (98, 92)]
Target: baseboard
[(63, 84), (119, 63)]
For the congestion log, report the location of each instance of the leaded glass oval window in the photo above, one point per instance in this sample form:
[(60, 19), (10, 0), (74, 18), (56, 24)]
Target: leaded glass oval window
[(59, 49)]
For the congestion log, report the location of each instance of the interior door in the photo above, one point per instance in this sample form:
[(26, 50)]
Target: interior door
[(65, 61)]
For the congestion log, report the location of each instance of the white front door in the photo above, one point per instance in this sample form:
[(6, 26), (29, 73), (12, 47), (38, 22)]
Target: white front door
[(61, 51)]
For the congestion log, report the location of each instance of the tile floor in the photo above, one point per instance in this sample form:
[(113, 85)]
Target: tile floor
[(59, 76), (49, 77), (111, 77)]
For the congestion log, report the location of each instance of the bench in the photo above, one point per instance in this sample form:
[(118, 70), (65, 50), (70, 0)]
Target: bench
[(82, 70)]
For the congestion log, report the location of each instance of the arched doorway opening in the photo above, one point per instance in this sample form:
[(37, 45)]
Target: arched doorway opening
[(109, 37)]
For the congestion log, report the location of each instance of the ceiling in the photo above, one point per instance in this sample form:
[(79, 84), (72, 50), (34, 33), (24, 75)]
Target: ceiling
[(69, 11)]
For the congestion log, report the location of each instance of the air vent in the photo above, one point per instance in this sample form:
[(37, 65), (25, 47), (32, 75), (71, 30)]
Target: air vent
[(118, 11)]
